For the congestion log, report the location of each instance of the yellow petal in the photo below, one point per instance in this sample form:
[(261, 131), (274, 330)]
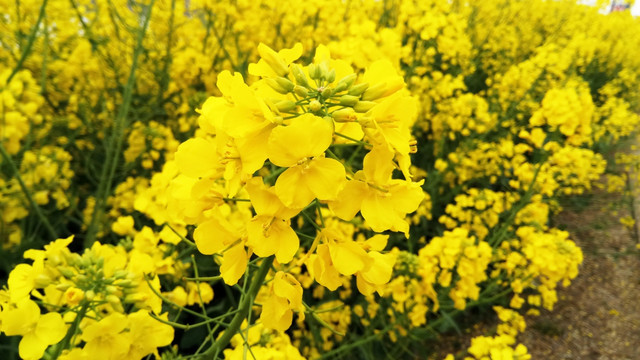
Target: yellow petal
[(253, 149), (406, 196), (379, 270), (366, 288), (22, 319), (378, 211), (197, 158), (234, 264), (276, 313), (229, 84), (306, 136), (322, 54), (322, 269), (21, 282), (324, 178), (213, 235), (268, 236), (112, 324), (348, 257), (286, 286), (31, 347), (378, 165), (349, 200), (381, 74), (51, 329), (147, 334), (241, 121), (291, 55), (266, 202), (377, 242), (212, 114), (289, 190)]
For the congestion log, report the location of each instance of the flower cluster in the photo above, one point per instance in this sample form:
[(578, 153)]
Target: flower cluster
[(343, 173), (99, 304)]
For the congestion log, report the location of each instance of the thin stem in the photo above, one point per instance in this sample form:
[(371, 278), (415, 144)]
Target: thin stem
[(201, 302), (164, 299), (243, 309), (204, 278), (352, 139), (117, 137), (320, 321), (72, 331), (34, 206), (31, 40)]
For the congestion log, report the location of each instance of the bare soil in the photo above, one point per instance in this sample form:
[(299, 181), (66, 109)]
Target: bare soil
[(598, 316)]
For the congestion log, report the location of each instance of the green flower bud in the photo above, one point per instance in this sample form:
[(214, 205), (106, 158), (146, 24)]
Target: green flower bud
[(63, 286), (364, 106), (299, 75), (330, 76), (375, 92), (357, 90), (124, 283), (273, 59), (276, 86), (315, 105), (324, 71), (120, 274), (114, 301), (82, 279), (42, 281), (285, 83), (301, 91), (74, 259), (286, 105), (134, 298), (66, 272), (326, 93), (344, 115), (348, 100), (314, 71), (346, 82)]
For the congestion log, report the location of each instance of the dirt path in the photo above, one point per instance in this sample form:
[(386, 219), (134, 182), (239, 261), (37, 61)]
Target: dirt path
[(598, 316)]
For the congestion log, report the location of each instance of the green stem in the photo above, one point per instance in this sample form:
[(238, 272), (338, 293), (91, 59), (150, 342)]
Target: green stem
[(114, 149), (502, 231), (203, 278), (356, 344), (71, 332), (243, 310), (320, 321), (352, 139), (32, 38), (36, 209)]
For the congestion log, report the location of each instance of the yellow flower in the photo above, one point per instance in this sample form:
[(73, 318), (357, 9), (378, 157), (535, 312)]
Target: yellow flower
[(37, 331), (383, 80), (285, 297), (217, 235), (321, 267), (300, 147), (21, 281), (147, 334), (270, 232), (107, 338), (274, 63), (383, 202)]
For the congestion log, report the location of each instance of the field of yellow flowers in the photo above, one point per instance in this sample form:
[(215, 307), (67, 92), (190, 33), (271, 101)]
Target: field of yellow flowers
[(238, 179)]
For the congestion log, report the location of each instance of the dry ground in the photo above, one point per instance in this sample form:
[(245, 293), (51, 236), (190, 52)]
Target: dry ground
[(598, 316)]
